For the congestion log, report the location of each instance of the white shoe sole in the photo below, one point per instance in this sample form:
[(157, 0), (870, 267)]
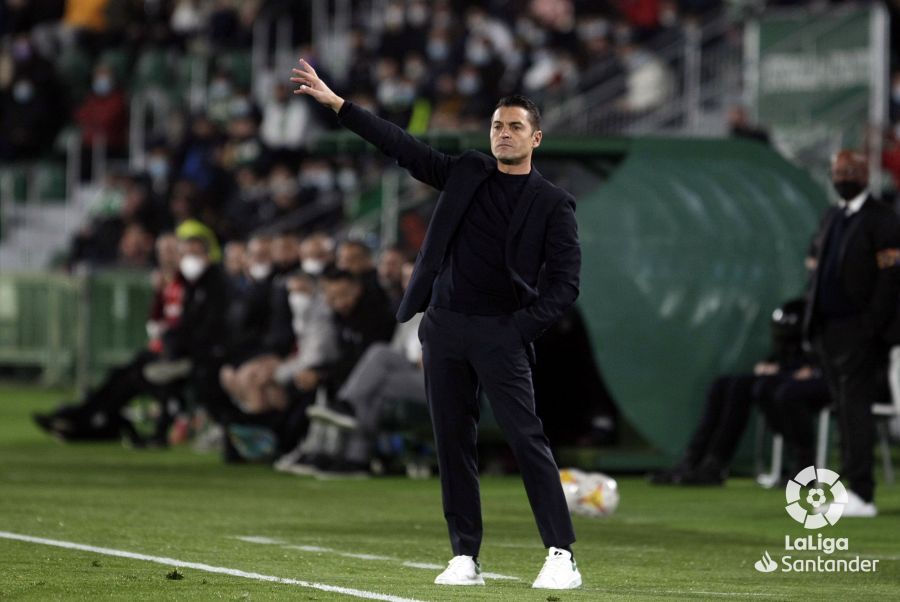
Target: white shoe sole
[(331, 417), (479, 581), (574, 583)]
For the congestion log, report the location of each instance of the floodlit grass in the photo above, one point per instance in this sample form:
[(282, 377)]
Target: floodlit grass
[(662, 544)]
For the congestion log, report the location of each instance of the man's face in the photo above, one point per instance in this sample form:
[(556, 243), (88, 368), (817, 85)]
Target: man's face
[(284, 251), (167, 252), (513, 137), (342, 295), (259, 250), (353, 259), (850, 166), (390, 267)]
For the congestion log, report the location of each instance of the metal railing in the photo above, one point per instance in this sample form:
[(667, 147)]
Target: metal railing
[(701, 66)]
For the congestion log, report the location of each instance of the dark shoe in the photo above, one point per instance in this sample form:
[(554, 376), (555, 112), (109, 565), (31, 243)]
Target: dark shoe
[(710, 472), (341, 414), (670, 476), (307, 465), (343, 469)]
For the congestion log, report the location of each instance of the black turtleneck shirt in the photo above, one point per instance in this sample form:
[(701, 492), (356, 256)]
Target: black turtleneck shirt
[(474, 278)]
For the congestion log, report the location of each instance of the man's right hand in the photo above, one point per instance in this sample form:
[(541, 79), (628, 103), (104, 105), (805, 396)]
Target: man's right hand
[(311, 85)]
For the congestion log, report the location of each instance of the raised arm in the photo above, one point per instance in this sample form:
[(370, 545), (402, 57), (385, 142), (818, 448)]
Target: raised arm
[(423, 162)]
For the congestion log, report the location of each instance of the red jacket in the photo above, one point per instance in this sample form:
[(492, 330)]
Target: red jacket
[(106, 116)]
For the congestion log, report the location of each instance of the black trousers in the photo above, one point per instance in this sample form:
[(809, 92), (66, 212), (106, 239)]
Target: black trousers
[(854, 368), (725, 415), (461, 354), (794, 405)]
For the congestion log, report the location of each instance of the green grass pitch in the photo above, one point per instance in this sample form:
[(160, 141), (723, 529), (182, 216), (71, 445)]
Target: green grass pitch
[(661, 544)]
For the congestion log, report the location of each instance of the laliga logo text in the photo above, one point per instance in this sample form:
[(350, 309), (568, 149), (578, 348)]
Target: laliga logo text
[(815, 499)]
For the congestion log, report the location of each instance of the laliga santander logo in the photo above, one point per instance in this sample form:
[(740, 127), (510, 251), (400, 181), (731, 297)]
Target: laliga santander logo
[(815, 497)]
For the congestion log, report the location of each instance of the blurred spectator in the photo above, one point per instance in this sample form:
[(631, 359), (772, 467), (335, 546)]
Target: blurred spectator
[(135, 247), (235, 264), (649, 81), (27, 120), (787, 386), (387, 373), (360, 318), (98, 415), (84, 24), (103, 116), (390, 274), (316, 253), (286, 124)]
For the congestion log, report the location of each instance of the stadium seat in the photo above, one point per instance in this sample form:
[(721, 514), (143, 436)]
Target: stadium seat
[(120, 63), (240, 64), (75, 71), (152, 72), (50, 180), (883, 413), (14, 182)]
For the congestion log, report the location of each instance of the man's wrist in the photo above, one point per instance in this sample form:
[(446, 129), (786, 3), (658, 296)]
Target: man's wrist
[(337, 104)]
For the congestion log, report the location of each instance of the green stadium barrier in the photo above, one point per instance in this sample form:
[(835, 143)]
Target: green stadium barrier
[(689, 246), (119, 303), (72, 328), (39, 321)]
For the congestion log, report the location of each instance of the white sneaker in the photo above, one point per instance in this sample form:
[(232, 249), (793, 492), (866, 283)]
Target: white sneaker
[(856, 507), (559, 572), (462, 570)]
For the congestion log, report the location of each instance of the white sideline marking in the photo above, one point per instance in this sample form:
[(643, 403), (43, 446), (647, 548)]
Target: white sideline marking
[(358, 556), (260, 539), (199, 566)]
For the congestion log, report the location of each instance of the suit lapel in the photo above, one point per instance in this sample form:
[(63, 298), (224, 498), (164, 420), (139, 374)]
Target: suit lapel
[(520, 212), (855, 221), (447, 216)]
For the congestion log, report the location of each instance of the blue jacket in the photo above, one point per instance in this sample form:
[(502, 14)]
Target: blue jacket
[(542, 250)]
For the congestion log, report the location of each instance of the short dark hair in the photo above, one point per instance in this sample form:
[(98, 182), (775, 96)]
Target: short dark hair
[(517, 100), (332, 274), (354, 242)]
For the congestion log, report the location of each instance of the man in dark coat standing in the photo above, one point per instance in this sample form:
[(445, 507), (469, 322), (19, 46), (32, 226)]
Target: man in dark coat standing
[(498, 226), (852, 298)]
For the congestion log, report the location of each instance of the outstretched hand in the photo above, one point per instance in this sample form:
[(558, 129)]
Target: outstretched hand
[(311, 85)]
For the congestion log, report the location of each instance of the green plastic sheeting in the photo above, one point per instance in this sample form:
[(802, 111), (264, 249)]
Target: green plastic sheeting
[(688, 247)]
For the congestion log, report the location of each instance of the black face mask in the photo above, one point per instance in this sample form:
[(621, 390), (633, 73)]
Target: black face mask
[(848, 189)]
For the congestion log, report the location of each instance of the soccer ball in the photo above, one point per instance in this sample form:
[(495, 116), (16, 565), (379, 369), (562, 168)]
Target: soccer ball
[(592, 494), (571, 480)]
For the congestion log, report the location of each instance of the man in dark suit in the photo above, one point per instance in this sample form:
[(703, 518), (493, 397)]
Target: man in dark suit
[(498, 226), (852, 297)]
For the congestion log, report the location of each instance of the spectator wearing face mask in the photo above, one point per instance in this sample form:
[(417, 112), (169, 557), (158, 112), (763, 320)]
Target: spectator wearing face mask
[(197, 344), (316, 253), (103, 117), (31, 106), (359, 319)]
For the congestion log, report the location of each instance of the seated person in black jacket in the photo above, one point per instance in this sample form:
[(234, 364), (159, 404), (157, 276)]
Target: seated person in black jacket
[(787, 379), (360, 317), (199, 338)]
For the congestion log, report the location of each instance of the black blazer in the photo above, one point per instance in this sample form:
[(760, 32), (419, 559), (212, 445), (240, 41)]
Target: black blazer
[(542, 241), (869, 264)]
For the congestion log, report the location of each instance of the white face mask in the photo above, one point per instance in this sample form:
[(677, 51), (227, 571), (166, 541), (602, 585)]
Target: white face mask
[(260, 271), (300, 303), (192, 267), (313, 267)]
